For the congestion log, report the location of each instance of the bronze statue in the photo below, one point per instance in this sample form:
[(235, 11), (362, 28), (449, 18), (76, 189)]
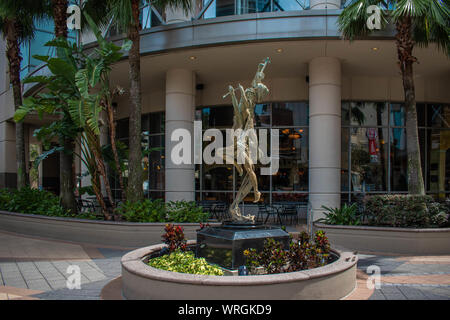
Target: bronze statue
[(243, 123)]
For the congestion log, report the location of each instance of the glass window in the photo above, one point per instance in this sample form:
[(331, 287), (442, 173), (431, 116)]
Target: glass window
[(122, 128), (225, 8), (157, 122), (156, 160), (290, 114), (345, 117), (438, 116), (293, 171), (421, 114), (397, 118), (218, 196), (262, 115), (367, 113), (289, 5), (345, 137), (399, 160), (368, 159), (218, 177), (217, 117), (438, 156)]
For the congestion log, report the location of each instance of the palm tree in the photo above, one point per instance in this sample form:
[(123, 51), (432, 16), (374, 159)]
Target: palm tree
[(418, 22), (17, 24), (58, 10), (124, 14)]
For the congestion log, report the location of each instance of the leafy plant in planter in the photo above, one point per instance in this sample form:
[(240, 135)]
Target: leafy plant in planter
[(301, 255), (185, 262), (144, 211), (184, 211), (31, 201), (174, 238), (346, 215), (405, 211)]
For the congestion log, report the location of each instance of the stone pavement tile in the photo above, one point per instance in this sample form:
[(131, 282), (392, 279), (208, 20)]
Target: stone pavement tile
[(32, 276), (394, 296), (57, 284), (390, 290), (40, 285), (17, 283), (13, 274), (377, 295), (432, 279)]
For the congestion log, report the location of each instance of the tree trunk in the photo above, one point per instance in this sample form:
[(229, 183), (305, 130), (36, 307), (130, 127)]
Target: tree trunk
[(14, 59), (60, 17), (135, 192), (405, 46), (112, 136), (66, 182)]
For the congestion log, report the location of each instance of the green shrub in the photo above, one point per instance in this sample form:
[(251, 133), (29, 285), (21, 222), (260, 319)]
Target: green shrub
[(404, 211), (156, 211), (32, 201), (143, 211), (183, 211), (185, 262), (346, 215)]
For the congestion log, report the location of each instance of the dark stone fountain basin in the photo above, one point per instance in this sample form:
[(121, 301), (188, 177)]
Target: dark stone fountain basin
[(225, 245)]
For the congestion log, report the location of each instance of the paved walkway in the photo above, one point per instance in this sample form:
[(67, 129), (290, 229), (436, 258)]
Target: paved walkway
[(32, 268)]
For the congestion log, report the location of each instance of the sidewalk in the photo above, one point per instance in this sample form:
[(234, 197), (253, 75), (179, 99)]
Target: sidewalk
[(32, 268)]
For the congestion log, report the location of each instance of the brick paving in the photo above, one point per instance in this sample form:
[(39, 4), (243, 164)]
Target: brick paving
[(32, 268)]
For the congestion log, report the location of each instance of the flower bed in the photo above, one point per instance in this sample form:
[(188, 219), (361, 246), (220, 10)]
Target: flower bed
[(140, 281)]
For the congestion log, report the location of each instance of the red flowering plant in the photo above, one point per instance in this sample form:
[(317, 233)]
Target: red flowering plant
[(174, 238)]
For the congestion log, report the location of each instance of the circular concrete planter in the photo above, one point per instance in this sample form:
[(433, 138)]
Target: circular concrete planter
[(121, 234), (142, 282), (389, 240)]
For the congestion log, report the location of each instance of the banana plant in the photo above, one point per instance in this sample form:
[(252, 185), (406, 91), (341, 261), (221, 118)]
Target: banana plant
[(78, 87)]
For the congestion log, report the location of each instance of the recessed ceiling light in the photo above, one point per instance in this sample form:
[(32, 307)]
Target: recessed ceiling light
[(375, 49), (192, 58), (279, 50)]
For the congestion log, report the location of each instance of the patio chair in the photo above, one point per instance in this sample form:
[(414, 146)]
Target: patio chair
[(290, 211), (265, 209)]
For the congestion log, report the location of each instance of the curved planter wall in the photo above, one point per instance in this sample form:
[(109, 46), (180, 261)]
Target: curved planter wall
[(142, 282), (389, 240), (123, 234)]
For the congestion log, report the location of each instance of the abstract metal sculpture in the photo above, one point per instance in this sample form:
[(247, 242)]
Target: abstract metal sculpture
[(246, 139)]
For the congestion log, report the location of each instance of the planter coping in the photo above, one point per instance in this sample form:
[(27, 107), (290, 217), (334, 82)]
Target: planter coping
[(370, 228), (132, 262), (117, 223)]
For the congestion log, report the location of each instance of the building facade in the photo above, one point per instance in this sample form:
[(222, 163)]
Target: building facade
[(337, 104)]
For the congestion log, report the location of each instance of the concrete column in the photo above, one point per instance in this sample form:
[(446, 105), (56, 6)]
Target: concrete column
[(325, 134), (8, 168), (325, 4), (180, 107)]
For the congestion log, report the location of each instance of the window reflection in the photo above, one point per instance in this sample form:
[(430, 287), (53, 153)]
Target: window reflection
[(368, 159), (438, 116), (366, 113), (290, 114), (293, 172), (438, 160), (399, 160)]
